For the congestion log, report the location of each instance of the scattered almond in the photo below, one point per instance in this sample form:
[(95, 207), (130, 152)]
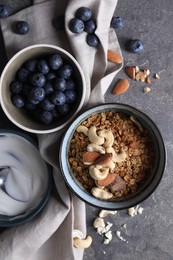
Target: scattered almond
[(140, 76), (130, 72), (114, 57), (137, 69), (147, 89), (90, 157), (105, 158), (148, 80), (156, 76), (121, 87), (107, 181)]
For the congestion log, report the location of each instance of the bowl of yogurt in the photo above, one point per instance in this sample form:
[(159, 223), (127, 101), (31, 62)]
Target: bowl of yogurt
[(27, 182)]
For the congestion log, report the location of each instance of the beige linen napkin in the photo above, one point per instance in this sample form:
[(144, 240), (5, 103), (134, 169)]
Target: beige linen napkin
[(49, 235)]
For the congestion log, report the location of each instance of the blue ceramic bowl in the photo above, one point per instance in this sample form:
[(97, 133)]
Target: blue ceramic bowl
[(145, 189), (9, 221)]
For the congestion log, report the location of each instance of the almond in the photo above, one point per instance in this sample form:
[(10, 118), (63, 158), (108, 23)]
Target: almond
[(121, 87), (114, 57), (107, 181), (148, 80), (105, 158), (90, 157), (140, 76), (130, 72)]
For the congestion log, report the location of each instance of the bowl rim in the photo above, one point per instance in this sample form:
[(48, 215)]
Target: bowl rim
[(54, 47), (112, 205), (23, 218)]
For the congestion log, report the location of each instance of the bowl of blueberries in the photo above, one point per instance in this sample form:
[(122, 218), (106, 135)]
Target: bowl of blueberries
[(42, 87)]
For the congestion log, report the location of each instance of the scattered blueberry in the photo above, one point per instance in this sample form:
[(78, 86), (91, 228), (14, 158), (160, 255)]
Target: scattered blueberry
[(59, 22), (22, 27), (50, 76), (18, 101), (31, 65), (23, 74), (83, 13), (65, 71), (48, 88), (135, 46), (64, 109), (55, 61), (70, 95), (4, 11), (90, 26), (70, 84), (43, 67), (38, 80), (60, 84), (36, 95), (76, 26), (44, 117), (92, 40), (117, 22), (16, 87), (58, 98), (47, 105)]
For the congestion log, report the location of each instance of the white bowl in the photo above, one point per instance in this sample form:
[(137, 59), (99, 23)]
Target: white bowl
[(18, 116)]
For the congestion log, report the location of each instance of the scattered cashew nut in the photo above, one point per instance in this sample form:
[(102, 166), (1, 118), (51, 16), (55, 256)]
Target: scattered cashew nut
[(97, 174), (101, 194), (82, 129), (82, 243), (99, 222), (95, 147), (93, 137), (77, 233), (108, 136), (103, 213), (116, 157)]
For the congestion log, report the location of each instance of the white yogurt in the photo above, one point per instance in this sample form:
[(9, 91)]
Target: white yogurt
[(28, 177)]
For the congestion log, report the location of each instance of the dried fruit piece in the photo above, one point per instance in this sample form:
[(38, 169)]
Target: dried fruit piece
[(114, 57), (90, 157), (118, 184), (103, 159), (131, 72), (107, 181), (121, 87)]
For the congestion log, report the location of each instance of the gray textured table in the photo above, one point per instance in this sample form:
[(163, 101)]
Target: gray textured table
[(149, 235)]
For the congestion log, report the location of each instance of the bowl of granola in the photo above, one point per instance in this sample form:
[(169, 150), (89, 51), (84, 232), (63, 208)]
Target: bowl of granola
[(113, 156)]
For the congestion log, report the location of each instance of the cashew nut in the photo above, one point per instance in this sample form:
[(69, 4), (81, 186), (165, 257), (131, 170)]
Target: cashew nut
[(109, 138), (101, 194), (95, 147), (97, 174), (110, 165), (77, 233), (82, 129), (93, 137), (103, 213), (137, 123), (99, 222), (116, 157), (82, 243)]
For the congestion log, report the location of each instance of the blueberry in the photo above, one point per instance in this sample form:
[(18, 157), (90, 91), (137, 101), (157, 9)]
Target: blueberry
[(64, 109), (47, 105), (55, 113), (4, 11), (26, 89), (59, 22), (70, 85), (55, 61), (22, 27), (23, 74), (117, 22), (92, 40), (70, 95), (90, 26), (50, 76), (16, 87), (29, 106), (48, 88), (31, 65), (76, 26), (38, 80), (57, 98), (135, 46), (83, 13), (60, 84), (36, 95), (43, 67), (18, 101), (65, 71), (44, 117)]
